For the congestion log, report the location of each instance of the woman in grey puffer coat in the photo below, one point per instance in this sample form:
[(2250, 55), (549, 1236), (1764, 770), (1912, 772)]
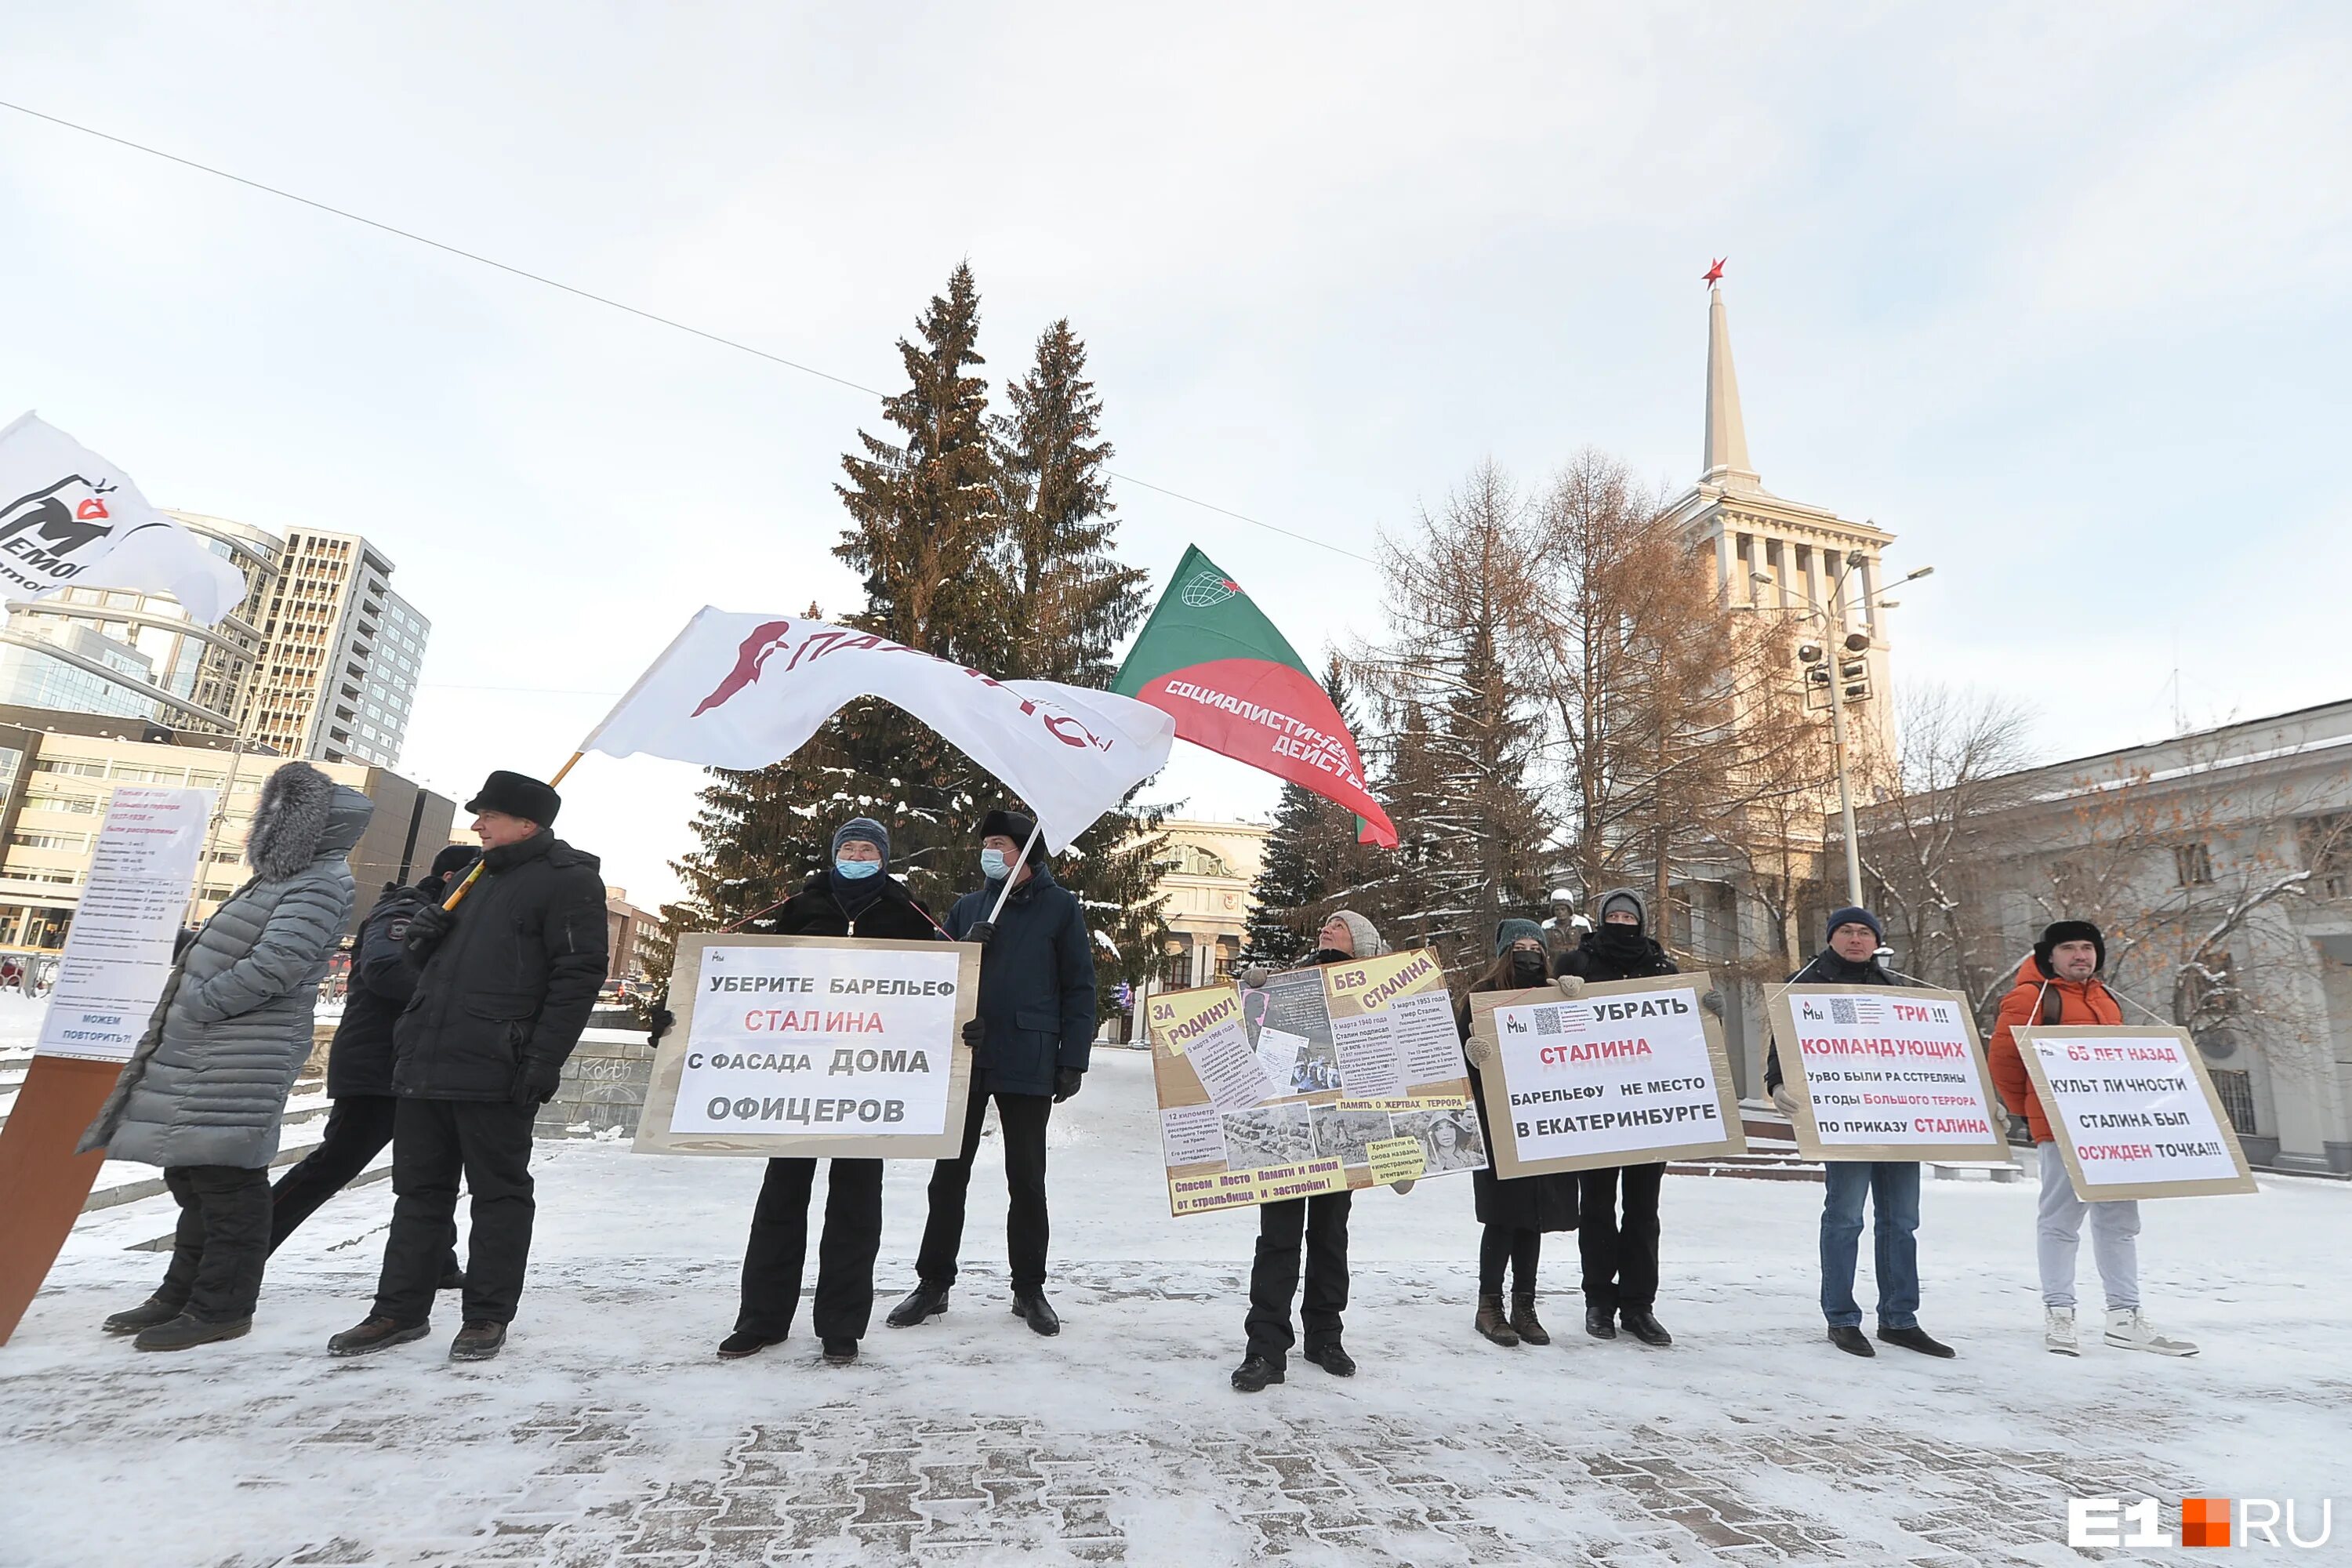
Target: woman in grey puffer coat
[(204, 1093)]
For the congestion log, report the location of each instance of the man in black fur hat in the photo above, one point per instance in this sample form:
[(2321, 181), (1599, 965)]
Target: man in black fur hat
[(507, 980)]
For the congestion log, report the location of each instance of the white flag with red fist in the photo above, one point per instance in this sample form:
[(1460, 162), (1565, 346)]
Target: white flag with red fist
[(70, 519), (745, 691)]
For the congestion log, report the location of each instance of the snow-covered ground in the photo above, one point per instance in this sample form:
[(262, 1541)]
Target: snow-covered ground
[(608, 1433)]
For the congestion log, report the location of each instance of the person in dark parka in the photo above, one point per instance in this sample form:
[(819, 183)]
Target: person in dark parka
[(855, 896), (1851, 958), (1315, 1227), (508, 981), (359, 1059), (1035, 1033), (1619, 1254), (1515, 1213), (203, 1094)]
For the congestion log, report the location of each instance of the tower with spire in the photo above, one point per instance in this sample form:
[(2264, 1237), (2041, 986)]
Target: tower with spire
[(1771, 553)]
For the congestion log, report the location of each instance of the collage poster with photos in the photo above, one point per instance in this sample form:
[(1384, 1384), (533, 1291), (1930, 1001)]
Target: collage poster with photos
[(1321, 1080)]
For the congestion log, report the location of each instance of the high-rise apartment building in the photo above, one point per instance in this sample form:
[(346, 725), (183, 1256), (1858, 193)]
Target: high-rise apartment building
[(340, 654), (320, 660)]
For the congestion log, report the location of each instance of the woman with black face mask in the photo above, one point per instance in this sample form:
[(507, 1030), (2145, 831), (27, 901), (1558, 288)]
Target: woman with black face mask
[(1515, 1213), (1621, 1256)]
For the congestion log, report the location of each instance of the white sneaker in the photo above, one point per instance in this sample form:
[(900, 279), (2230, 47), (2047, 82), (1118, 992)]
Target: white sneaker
[(2127, 1331), (2058, 1330)]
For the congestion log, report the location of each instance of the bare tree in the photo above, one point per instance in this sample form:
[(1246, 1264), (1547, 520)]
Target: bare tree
[(1457, 736), (1669, 712), (1957, 763)]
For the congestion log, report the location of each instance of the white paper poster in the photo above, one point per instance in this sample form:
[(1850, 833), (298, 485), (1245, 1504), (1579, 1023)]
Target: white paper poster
[(1609, 1075), (1370, 1068), (1427, 1042), (820, 1039), (1193, 1135), (1218, 1047), (2132, 1110), (118, 951), (1889, 1070)]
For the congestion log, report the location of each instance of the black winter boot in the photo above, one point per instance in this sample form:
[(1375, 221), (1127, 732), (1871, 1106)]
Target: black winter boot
[(840, 1353), (1332, 1357), (1491, 1323), (376, 1334), (1523, 1319), (1916, 1338), (154, 1312), (922, 1301), (1600, 1321), (1851, 1341), (743, 1342), (184, 1333), (1032, 1307), (1254, 1372), (479, 1340), (1643, 1325)]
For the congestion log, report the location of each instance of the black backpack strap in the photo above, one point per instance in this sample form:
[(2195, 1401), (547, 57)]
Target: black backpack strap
[(2053, 1008)]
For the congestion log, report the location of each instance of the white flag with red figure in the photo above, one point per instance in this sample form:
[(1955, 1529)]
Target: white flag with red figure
[(70, 519), (745, 691)]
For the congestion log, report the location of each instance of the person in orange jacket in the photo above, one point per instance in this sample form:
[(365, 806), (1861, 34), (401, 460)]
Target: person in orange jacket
[(2058, 984)]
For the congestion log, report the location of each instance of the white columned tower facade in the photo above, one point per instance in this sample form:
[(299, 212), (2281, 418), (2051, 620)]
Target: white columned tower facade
[(1773, 553)]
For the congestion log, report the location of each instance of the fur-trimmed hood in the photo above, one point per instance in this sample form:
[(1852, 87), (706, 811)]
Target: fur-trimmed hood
[(302, 816)]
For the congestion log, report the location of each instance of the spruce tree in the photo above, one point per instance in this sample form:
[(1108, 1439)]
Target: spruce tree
[(1069, 602), (924, 519), (1313, 864)]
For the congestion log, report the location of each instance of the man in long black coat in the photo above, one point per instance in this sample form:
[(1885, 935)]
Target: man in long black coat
[(358, 1059), (509, 979), (854, 896), (1036, 1029), (1619, 1254)]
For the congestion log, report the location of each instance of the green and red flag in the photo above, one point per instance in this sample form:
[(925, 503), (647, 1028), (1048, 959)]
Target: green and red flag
[(1211, 658)]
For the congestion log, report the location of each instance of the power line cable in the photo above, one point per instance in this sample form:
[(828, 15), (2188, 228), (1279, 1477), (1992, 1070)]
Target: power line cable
[(611, 303)]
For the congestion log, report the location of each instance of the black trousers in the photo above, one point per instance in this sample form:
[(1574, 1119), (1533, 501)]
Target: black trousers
[(1322, 1222), (844, 1256), (357, 1127), (1620, 1250), (1021, 1119), (432, 1142), (1520, 1249), (223, 1241)]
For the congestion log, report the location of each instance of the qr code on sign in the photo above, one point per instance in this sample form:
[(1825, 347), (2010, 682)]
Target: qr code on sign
[(1547, 1021), (1842, 1011)]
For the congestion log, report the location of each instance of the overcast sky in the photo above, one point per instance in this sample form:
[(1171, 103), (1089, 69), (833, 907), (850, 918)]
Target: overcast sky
[(2053, 295)]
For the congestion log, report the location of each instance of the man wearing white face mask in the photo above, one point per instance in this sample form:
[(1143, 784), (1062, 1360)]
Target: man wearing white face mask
[(1036, 1029)]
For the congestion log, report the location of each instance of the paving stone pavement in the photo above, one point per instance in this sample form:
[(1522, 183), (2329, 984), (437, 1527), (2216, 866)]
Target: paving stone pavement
[(842, 1484)]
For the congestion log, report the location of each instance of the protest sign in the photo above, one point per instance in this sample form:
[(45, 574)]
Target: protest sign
[(1886, 1072), (1630, 1072), (118, 952), (816, 1046), (1356, 1076), (2133, 1112)]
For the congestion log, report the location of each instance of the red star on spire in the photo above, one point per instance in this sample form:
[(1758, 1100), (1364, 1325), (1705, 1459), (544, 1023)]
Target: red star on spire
[(1714, 273)]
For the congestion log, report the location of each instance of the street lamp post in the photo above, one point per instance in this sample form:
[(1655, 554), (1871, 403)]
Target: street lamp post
[(1832, 672)]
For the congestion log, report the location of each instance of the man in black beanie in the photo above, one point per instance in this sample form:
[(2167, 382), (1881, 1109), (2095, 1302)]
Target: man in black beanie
[(1035, 1033), (507, 980), (358, 1061)]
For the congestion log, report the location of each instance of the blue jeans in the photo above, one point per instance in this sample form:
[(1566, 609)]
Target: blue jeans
[(1894, 1188)]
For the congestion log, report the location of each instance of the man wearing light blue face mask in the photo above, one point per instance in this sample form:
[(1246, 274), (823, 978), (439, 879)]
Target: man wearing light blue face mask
[(1036, 1027), (853, 896)]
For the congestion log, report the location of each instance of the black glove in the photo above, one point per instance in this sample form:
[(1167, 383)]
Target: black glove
[(662, 1021), (1067, 1081), (981, 932), (973, 1033), (537, 1083), (426, 927)]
